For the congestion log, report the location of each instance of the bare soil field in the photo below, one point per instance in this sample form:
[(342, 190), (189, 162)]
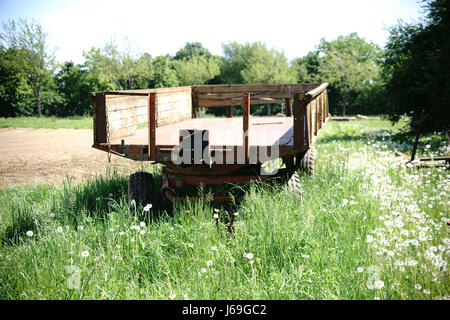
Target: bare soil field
[(35, 156)]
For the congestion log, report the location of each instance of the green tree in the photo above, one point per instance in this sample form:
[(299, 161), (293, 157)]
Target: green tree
[(267, 66), (416, 68), (306, 69), (34, 60), (197, 70), (12, 82), (164, 74), (349, 64), (75, 83), (254, 63), (106, 63), (192, 49)]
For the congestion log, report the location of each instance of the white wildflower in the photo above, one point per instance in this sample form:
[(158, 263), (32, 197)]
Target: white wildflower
[(379, 284), (248, 255)]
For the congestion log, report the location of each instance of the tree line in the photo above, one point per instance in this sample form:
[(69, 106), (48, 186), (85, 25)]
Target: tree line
[(409, 75)]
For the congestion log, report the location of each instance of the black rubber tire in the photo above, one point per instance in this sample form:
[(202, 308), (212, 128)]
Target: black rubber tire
[(140, 188), (308, 162), (293, 184)]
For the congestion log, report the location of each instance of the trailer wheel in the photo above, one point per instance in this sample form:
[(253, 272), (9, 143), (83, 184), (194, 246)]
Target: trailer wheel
[(308, 162), (293, 183), (140, 188)]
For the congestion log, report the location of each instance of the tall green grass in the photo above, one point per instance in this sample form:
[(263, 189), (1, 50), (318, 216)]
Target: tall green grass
[(332, 244), (75, 122)]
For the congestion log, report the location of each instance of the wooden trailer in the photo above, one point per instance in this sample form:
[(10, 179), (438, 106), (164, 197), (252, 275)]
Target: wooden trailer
[(154, 125)]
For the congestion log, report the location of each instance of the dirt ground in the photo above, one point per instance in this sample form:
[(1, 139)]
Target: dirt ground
[(36, 156)]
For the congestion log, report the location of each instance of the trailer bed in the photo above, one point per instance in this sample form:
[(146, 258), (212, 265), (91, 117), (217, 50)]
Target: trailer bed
[(263, 131), (234, 142)]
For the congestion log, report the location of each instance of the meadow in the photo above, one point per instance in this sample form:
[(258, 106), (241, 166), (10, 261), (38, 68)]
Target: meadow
[(369, 226)]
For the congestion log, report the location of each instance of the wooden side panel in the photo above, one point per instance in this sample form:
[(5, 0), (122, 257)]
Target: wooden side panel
[(173, 107), (124, 113), (254, 88)]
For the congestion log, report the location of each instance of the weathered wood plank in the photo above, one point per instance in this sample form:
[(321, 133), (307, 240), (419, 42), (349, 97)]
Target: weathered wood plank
[(317, 90), (152, 126), (238, 95), (245, 118), (229, 111), (233, 102), (254, 87), (287, 107)]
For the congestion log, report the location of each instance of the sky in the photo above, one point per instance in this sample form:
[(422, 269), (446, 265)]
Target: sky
[(163, 27)]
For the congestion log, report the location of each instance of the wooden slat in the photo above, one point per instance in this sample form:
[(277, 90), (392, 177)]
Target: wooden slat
[(232, 102), (229, 111), (287, 107), (145, 92), (152, 125), (299, 112), (238, 95), (308, 123), (245, 118), (317, 90), (254, 87)]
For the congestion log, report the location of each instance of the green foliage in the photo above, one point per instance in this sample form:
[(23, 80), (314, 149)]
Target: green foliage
[(105, 63), (267, 66), (307, 68), (197, 70), (192, 49), (349, 65), (75, 83), (254, 63), (25, 45), (164, 74), (415, 68)]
